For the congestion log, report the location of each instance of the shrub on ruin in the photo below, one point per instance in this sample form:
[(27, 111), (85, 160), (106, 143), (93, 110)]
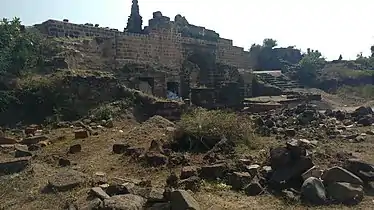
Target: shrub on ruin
[(207, 127), (22, 48)]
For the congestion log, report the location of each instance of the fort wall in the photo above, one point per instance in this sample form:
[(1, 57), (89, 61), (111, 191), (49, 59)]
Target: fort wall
[(164, 46)]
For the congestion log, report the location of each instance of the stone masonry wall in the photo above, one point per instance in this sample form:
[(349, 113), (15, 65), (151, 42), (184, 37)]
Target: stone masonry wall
[(162, 46)]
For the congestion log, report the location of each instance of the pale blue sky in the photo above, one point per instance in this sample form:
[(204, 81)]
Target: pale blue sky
[(332, 26)]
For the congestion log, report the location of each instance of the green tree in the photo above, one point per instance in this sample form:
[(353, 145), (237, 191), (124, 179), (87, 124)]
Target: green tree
[(269, 43), (309, 65), (22, 49)]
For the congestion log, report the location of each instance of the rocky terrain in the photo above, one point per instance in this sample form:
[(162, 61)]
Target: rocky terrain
[(289, 158)]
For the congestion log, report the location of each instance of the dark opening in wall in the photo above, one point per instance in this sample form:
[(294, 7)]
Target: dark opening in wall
[(173, 87), (146, 85)]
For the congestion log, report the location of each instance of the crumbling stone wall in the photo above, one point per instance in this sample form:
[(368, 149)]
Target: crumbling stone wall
[(163, 41)]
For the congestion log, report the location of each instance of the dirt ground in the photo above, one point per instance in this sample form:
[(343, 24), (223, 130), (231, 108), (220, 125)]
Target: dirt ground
[(25, 190)]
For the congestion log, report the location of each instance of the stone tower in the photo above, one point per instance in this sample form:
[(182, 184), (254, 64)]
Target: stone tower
[(135, 21)]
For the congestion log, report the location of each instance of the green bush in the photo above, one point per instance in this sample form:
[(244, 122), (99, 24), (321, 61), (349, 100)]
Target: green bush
[(23, 49), (363, 91), (203, 125)]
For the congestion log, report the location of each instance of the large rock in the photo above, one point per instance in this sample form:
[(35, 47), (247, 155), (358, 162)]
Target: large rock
[(313, 191), (76, 148), (254, 188), (81, 134), (238, 180), (338, 174), (181, 199), (213, 172), (365, 120), (347, 193), (120, 148), (291, 171), (362, 111), (13, 166), (296, 148), (189, 171), (149, 193), (66, 180), (22, 151), (99, 192), (125, 202), (7, 140), (156, 159), (279, 157), (361, 169)]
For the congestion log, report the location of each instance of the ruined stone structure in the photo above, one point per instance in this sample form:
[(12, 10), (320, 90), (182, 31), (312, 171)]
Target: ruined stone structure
[(163, 41), (175, 44)]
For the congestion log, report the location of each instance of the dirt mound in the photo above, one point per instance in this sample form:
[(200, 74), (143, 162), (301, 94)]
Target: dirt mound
[(155, 128), (159, 122)]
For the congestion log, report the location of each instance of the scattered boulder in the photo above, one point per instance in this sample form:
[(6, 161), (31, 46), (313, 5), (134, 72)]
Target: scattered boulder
[(254, 188), (365, 121), (66, 180), (30, 130), (338, 174), (361, 169), (125, 202), (81, 134), (22, 151), (134, 151), (189, 171), (290, 132), (150, 193), (292, 171), (13, 166), (120, 148), (238, 180), (213, 172), (34, 139), (192, 183), (346, 193), (75, 149), (156, 159), (253, 169), (181, 199), (313, 191), (100, 193), (63, 162), (7, 140), (279, 157), (296, 148)]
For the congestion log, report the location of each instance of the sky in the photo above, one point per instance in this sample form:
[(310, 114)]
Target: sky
[(333, 27)]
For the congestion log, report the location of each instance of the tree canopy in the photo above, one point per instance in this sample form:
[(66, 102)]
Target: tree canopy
[(21, 49)]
